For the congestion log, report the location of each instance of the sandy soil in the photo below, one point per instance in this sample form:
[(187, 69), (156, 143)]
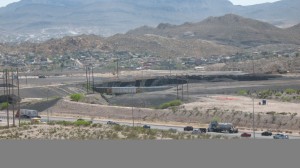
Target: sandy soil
[(245, 104)]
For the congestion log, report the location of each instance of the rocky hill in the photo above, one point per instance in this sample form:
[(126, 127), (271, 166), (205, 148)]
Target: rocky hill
[(214, 36), (140, 44), (38, 20), (229, 29)]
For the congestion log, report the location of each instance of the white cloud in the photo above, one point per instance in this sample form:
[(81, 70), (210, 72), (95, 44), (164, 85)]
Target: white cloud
[(250, 2), (6, 2)]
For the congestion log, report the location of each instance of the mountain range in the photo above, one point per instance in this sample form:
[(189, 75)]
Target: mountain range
[(45, 19)]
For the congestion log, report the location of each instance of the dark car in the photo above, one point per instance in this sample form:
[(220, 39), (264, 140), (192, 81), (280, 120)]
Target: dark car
[(112, 123), (203, 130), (25, 116), (266, 133), (188, 128), (146, 126), (245, 134), (42, 76)]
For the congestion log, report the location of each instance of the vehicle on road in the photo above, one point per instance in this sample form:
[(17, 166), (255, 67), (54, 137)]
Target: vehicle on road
[(42, 76), (280, 136), (146, 126), (188, 128), (27, 114), (266, 133), (199, 131), (245, 134), (112, 123), (214, 126), (203, 130)]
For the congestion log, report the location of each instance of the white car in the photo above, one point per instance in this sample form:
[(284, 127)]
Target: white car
[(280, 136)]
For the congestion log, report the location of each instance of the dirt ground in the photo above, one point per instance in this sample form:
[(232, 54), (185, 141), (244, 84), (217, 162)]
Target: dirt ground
[(244, 104), (235, 109)]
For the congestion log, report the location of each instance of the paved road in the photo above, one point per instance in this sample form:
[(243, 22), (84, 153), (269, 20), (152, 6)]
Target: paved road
[(160, 127)]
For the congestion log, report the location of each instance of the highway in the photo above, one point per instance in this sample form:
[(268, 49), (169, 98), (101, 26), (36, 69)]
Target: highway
[(153, 126)]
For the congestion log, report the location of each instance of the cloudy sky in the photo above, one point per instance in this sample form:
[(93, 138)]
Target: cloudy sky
[(236, 2)]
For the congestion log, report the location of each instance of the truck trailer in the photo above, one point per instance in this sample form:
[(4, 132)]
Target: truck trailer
[(214, 126)]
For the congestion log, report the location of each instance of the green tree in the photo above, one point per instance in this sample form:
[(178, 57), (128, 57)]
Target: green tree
[(76, 97)]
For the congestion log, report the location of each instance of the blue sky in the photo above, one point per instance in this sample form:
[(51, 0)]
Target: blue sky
[(236, 2)]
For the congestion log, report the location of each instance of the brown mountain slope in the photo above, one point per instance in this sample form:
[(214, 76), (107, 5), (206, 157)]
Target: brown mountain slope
[(164, 46), (151, 44), (57, 46), (229, 29), (294, 29)]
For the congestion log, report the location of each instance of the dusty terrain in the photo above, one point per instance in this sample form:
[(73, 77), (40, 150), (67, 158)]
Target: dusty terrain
[(235, 109), (58, 131), (205, 101)]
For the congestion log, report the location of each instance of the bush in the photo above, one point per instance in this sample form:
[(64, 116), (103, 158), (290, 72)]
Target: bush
[(76, 97), (242, 92), (290, 91), (265, 94), (170, 104), (82, 123), (271, 113), (4, 105)]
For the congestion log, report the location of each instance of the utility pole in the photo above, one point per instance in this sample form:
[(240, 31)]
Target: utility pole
[(18, 96), (187, 87), (6, 87), (13, 103), (93, 80), (4, 91), (177, 86), (47, 108), (182, 89), (253, 124), (117, 66), (89, 77), (87, 80), (132, 111), (170, 65)]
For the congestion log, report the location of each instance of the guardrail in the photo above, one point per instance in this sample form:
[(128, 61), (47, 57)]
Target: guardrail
[(11, 118)]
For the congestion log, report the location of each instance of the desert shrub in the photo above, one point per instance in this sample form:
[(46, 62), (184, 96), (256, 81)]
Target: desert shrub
[(242, 92), (283, 113), (290, 91), (265, 94), (4, 105), (118, 128), (132, 135), (216, 119), (271, 113), (82, 123), (286, 99), (76, 97), (278, 94), (173, 103)]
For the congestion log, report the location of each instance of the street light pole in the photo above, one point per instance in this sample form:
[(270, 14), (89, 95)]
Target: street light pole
[(253, 124), (132, 111), (47, 109)]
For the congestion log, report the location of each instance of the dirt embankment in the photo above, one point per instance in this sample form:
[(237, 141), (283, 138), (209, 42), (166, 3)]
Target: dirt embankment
[(237, 110)]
